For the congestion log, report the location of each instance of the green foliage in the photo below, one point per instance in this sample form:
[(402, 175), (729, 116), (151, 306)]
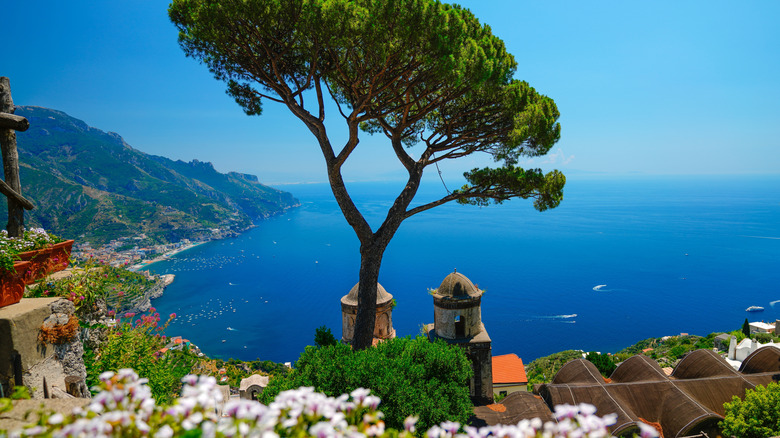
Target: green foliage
[(18, 393), (707, 342), (411, 376), (118, 287), (755, 416), (603, 362), (371, 55), (766, 338), (323, 337), (746, 328), (543, 369), (138, 346)]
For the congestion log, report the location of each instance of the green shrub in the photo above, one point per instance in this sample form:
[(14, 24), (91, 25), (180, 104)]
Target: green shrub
[(411, 376), (765, 338), (323, 337), (755, 416), (603, 362), (118, 287), (138, 346)]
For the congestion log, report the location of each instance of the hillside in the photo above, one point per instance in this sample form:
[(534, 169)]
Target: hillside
[(91, 185)]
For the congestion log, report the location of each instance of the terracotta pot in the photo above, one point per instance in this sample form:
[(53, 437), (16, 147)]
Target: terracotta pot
[(12, 284), (39, 264), (47, 260), (60, 256)]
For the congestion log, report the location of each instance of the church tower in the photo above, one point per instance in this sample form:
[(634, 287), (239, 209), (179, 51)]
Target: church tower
[(457, 316)]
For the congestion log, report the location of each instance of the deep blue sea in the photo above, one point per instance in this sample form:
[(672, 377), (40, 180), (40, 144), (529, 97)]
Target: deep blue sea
[(620, 260)]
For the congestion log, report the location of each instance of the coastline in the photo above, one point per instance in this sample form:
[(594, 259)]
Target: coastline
[(165, 256)]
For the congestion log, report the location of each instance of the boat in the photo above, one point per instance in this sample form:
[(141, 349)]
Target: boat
[(754, 309)]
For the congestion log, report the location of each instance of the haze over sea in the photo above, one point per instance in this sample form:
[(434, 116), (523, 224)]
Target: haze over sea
[(620, 260)]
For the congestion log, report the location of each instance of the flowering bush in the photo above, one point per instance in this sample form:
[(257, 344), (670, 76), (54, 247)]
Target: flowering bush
[(32, 239), (137, 344), (93, 282), (125, 407)]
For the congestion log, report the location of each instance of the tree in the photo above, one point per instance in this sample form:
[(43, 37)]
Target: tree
[(603, 362), (411, 376), (755, 416), (426, 75), (746, 328), (323, 337)]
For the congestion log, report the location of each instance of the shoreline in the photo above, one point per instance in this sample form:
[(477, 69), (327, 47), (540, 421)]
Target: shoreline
[(165, 256)]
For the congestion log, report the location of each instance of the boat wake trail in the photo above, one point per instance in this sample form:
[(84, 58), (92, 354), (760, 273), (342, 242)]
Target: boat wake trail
[(566, 319), (600, 287), (763, 237), (772, 303)]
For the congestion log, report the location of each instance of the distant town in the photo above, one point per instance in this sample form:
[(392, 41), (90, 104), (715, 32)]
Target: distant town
[(138, 251)]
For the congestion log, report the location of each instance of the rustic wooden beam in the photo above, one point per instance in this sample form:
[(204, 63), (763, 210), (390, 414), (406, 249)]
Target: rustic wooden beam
[(10, 193), (15, 225), (12, 121)]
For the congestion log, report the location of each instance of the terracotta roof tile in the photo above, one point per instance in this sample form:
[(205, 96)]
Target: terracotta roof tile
[(508, 368)]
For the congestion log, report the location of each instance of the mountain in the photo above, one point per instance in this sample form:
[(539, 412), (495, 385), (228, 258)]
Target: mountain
[(91, 185)]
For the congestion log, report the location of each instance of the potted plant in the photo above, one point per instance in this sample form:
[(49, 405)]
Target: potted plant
[(12, 280), (46, 252)]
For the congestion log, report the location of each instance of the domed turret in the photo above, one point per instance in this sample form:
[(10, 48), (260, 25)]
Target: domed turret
[(383, 327), (456, 308), (457, 285)]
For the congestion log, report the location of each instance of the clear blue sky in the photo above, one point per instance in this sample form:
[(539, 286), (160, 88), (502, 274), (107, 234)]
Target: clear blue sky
[(663, 87)]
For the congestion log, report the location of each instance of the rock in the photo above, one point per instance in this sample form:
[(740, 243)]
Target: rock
[(63, 306), (56, 319)]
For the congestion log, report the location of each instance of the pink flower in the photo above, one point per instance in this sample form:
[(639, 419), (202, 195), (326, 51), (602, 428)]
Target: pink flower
[(152, 310), (172, 315), (129, 315)]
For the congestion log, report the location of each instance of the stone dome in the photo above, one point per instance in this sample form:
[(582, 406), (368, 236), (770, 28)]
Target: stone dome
[(457, 285), (351, 299)]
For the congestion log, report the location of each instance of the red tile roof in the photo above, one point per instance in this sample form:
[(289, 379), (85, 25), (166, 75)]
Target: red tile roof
[(508, 368)]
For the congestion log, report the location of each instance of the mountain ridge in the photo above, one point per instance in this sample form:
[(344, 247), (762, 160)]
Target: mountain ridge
[(92, 185)]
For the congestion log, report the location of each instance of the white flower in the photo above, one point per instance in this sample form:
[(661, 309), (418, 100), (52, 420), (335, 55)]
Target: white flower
[(164, 432)]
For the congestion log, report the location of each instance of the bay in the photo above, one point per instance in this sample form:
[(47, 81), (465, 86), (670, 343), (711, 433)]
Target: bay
[(674, 254)]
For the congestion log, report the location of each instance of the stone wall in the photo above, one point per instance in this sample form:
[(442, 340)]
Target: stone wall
[(27, 359)]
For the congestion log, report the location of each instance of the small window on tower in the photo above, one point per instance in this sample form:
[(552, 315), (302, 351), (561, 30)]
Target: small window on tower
[(460, 327)]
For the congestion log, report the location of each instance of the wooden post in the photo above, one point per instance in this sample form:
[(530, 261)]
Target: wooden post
[(15, 225)]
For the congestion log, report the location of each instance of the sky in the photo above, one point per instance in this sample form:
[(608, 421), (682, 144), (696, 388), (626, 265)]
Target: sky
[(644, 88)]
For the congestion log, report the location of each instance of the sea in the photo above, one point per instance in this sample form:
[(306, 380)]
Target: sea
[(622, 259)]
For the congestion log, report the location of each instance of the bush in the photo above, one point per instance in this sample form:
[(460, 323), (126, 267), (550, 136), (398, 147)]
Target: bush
[(118, 287), (411, 376), (755, 416), (138, 346), (764, 338), (603, 362), (323, 337)]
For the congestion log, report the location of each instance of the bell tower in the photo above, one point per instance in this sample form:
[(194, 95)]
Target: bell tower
[(457, 319)]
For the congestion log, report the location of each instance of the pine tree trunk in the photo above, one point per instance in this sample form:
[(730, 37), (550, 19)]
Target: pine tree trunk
[(370, 262)]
